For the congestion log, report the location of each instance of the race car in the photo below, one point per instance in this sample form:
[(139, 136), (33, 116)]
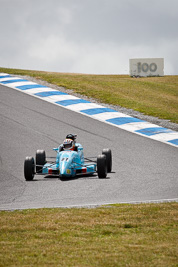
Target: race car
[(69, 162)]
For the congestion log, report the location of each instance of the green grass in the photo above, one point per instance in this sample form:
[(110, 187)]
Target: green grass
[(117, 235), (154, 96)]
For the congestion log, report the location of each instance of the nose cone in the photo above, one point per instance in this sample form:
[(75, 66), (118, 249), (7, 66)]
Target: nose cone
[(63, 167), (66, 163)]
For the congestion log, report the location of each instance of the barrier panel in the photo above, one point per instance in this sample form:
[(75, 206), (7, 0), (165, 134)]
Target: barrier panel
[(144, 67)]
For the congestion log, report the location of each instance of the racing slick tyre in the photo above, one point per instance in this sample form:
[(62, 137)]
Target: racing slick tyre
[(101, 166), (29, 168), (40, 160), (108, 154)]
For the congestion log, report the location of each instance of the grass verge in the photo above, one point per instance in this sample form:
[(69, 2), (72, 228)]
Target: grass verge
[(118, 235), (154, 96)]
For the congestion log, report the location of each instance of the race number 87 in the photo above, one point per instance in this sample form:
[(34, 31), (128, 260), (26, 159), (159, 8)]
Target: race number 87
[(145, 67)]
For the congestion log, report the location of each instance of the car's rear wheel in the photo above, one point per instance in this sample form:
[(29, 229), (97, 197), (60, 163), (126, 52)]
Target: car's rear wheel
[(29, 168), (101, 166), (40, 160), (107, 152)]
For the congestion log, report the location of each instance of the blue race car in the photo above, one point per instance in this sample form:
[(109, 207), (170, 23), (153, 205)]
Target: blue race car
[(68, 163)]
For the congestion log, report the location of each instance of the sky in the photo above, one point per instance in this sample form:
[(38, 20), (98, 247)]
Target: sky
[(87, 36)]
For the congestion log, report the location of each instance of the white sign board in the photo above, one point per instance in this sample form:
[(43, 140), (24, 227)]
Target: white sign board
[(145, 67)]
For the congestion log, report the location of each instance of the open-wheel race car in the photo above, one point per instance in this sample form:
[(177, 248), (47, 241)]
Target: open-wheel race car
[(69, 162)]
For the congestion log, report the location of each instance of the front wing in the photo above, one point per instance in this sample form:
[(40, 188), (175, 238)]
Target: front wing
[(53, 169)]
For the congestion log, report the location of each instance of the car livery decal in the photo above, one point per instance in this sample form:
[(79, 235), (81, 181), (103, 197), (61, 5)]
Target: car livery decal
[(92, 110)]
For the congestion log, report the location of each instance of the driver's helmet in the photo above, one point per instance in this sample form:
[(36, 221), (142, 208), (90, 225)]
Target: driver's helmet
[(71, 136), (68, 144)]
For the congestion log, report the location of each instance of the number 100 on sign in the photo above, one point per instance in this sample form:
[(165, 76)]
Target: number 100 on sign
[(145, 67)]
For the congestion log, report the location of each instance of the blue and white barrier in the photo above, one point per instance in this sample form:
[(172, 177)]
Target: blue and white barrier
[(92, 110)]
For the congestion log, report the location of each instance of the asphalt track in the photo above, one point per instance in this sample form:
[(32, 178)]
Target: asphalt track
[(143, 169)]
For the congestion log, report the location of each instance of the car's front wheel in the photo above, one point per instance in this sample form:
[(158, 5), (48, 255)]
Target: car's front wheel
[(29, 168), (108, 154), (101, 166), (40, 160)]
